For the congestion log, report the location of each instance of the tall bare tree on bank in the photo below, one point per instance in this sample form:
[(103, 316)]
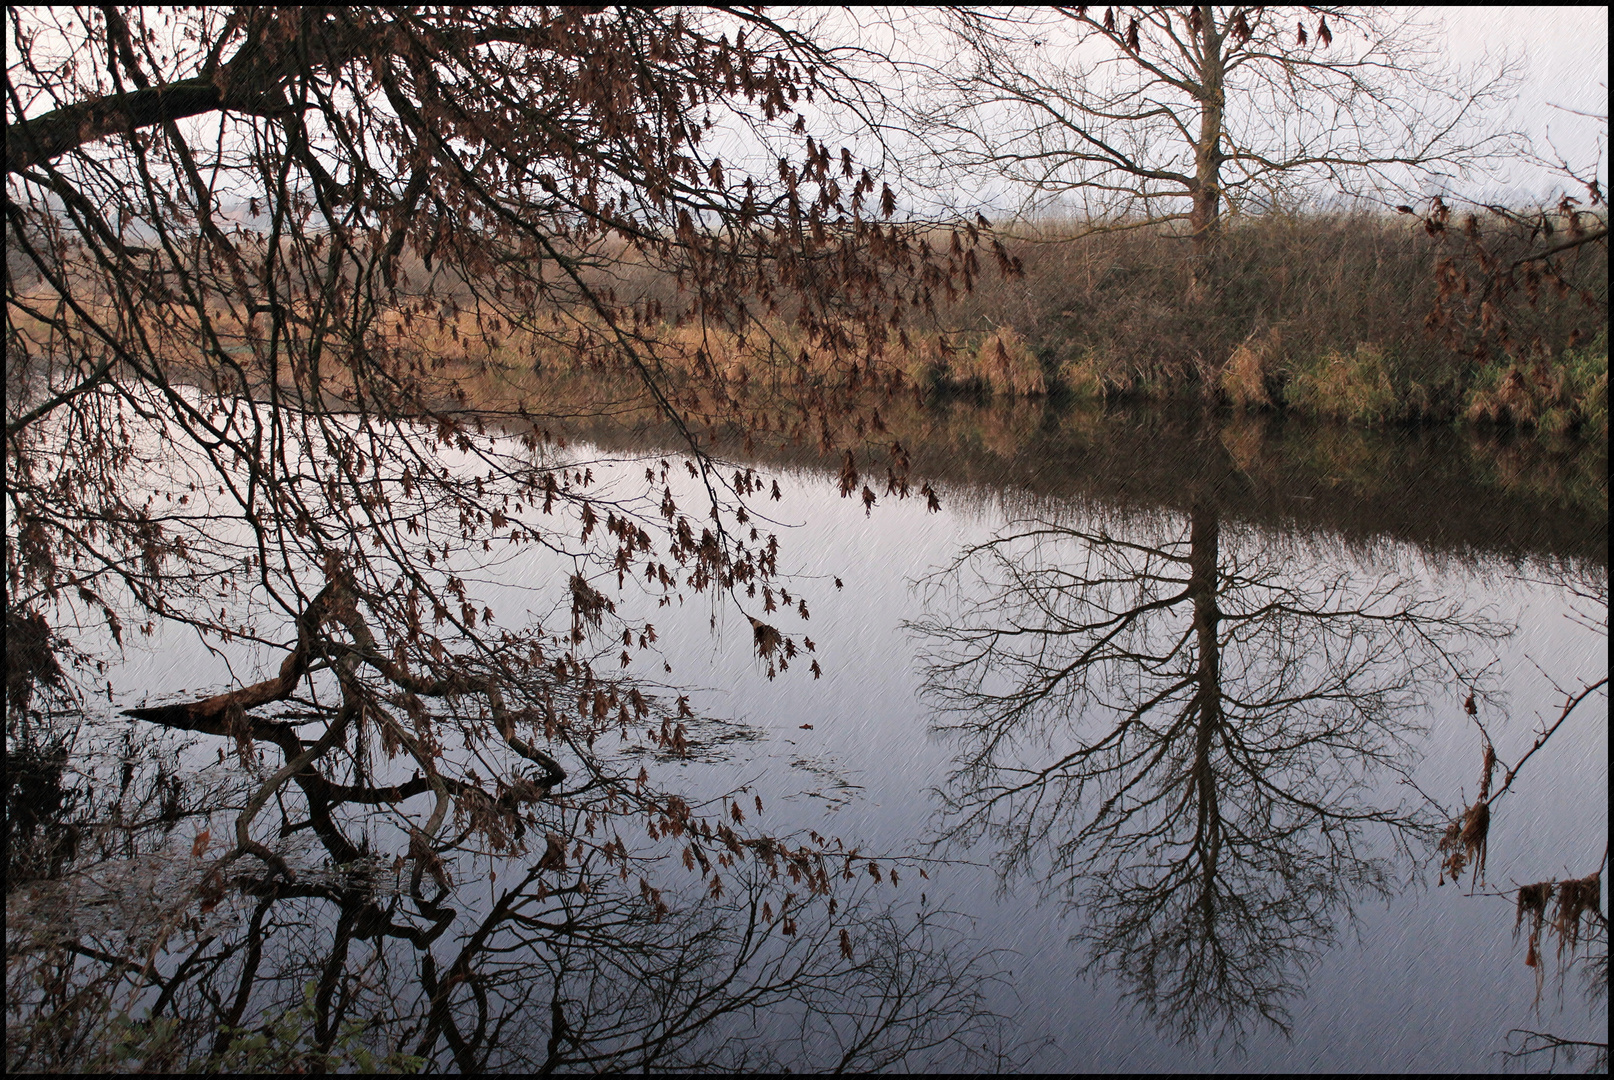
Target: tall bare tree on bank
[(259, 253), (1146, 115)]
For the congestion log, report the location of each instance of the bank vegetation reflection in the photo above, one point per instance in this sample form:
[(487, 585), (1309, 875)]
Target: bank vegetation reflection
[(1193, 737), (130, 945)]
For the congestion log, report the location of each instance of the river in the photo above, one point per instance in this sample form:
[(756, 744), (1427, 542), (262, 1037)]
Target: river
[(1158, 718)]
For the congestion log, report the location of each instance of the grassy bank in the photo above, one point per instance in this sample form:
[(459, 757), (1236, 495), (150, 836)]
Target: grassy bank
[(963, 424), (1315, 315)]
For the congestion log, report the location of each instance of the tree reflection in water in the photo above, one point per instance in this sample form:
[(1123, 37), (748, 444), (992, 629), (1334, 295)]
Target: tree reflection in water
[(1191, 740), (555, 963)]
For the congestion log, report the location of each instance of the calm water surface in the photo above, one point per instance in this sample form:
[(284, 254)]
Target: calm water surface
[(1171, 720)]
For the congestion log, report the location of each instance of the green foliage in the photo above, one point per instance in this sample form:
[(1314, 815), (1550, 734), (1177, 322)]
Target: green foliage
[(1554, 397), (1365, 385), (286, 1044), (1587, 373), (1083, 377)]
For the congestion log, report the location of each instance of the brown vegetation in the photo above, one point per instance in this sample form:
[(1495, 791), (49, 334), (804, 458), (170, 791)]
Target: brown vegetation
[(1324, 315)]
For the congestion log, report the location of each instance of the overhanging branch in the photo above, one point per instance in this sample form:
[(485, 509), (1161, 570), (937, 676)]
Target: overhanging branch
[(251, 82), (30, 142)]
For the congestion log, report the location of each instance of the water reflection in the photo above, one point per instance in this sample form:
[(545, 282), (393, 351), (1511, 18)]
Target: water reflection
[(1256, 781), (142, 949), (1191, 735)]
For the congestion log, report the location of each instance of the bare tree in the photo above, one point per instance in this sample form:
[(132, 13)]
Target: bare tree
[(1188, 741), (1151, 115)]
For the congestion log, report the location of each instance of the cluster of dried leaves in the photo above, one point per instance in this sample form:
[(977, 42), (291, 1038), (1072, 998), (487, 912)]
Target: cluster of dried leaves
[(1578, 900), (1551, 256), (1466, 838)]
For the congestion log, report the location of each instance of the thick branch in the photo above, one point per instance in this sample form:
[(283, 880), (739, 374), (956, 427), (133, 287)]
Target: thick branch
[(30, 142), (249, 83), (214, 714), (293, 766), (1589, 238)]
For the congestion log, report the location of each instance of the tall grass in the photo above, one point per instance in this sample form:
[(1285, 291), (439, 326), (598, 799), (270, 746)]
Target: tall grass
[(1318, 313)]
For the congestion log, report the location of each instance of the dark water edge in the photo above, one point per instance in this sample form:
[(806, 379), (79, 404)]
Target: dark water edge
[(1455, 492)]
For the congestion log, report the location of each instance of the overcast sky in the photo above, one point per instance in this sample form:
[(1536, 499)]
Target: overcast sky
[(1566, 50), (1564, 55)]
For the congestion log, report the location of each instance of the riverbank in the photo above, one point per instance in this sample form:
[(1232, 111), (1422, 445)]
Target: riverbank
[(1360, 318), (1314, 316), (1364, 318)]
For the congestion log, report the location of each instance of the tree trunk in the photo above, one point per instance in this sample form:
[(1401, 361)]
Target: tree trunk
[(1203, 549), (1205, 216)]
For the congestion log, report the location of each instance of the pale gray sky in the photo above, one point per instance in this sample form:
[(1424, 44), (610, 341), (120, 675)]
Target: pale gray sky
[(1563, 51), (1566, 52)]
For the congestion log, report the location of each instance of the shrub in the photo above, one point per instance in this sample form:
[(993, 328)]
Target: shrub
[(924, 365), (1251, 374), (1586, 382), (1553, 397), (1006, 365), (285, 1044), (1360, 386), (1083, 378)]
